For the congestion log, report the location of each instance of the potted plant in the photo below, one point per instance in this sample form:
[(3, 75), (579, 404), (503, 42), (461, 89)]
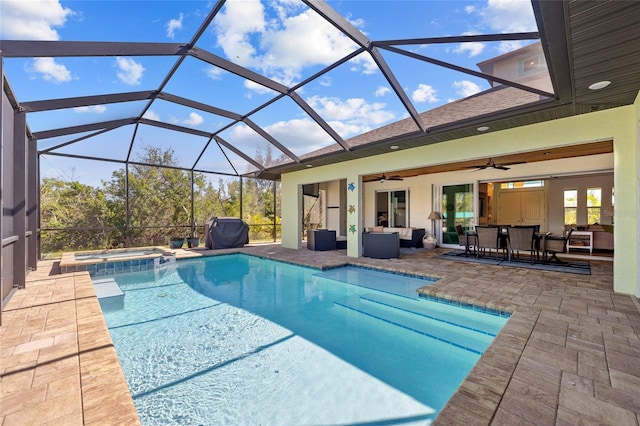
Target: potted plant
[(193, 241), (176, 242)]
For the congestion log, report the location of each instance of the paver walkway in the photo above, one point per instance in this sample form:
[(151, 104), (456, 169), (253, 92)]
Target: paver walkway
[(570, 353)]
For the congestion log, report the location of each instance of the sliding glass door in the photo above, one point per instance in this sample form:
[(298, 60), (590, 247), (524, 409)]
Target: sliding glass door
[(458, 208)]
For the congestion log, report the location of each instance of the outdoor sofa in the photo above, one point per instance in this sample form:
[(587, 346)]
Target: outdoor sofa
[(409, 237)]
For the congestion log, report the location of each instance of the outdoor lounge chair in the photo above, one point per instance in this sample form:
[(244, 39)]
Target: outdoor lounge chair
[(554, 244), (321, 239)]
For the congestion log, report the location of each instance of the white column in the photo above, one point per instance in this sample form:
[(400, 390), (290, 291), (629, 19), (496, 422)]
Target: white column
[(291, 208), (354, 216)]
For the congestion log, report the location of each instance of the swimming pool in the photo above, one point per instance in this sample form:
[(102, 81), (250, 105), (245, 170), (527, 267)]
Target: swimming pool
[(236, 339)]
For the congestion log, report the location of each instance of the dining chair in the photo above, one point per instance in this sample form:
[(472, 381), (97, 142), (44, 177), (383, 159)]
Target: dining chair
[(522, 238), (467, 239), (487, 237)]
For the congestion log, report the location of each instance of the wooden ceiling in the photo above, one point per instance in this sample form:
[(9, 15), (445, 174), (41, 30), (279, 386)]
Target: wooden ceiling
[(581, 150)]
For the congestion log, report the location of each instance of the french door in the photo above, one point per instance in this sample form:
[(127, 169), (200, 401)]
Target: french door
[(522, 207)]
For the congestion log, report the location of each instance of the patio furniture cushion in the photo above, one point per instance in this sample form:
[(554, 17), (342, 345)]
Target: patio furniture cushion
[(409, 237)]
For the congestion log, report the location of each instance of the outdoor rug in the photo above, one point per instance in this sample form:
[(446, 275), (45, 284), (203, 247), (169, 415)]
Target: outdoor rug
[(570, 267)]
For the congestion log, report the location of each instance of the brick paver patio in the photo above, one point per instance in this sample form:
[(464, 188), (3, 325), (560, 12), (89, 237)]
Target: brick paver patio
[(569, 354)]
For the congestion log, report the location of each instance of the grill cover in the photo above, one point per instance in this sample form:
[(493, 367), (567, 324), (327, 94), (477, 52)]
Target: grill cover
[(225, 232)]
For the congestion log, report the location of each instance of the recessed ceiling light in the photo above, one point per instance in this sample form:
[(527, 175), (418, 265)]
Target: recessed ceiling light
[(599, 85), (483, 128), (309, 165), (394, 147)]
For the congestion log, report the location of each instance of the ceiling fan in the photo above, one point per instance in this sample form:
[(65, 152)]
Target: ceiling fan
[(384, 177), (492, 165)]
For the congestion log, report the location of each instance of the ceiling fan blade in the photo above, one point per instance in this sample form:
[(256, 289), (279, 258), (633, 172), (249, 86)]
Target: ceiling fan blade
[(492, 165), (394, 178), (477, 168)]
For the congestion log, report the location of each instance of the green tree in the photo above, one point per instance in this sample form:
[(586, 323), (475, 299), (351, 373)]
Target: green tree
[(77, 208), (159, 205), (159, 199)]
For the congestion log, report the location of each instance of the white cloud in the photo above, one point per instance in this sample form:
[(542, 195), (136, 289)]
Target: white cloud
[(281, 48), (257, 88), (354, 114), (381, 91), (507, 16), (214, 73), (130, 71), (49, 70), (234, 25), (466, 88), (32, 20), (424, 93), (509, 46), (325, 81), (193, 120), (98, 109), (151, 115), (471, 48), (173, 25), (299, 133)]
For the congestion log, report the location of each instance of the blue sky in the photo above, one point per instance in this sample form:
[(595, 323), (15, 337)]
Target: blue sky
[(282, 40)]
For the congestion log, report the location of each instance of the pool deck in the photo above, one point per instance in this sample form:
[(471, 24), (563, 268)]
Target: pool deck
[(569, 354)]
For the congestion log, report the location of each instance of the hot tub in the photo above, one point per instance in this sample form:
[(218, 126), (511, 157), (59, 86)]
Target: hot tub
[(102, 263)]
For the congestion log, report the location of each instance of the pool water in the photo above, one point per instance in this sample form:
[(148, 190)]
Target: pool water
[(236, 339)]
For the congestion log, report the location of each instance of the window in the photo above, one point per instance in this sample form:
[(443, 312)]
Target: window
[(530, 64), (570, 206), (594, 204), (526, 184), (392, 208)]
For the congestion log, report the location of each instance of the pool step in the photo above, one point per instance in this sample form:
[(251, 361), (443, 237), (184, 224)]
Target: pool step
[(461, 317), (461, 337), (110, 295), (107, 287), (397, 284)]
